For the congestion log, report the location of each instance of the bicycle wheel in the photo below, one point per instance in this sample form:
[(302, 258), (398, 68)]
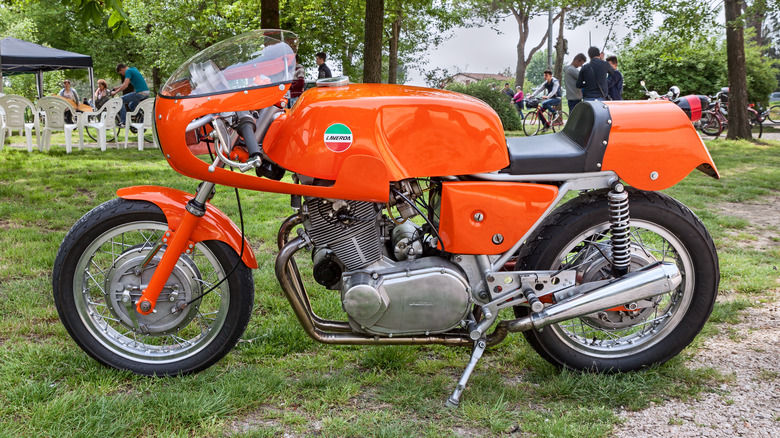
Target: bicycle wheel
[(531, 123), (774, 114), (710, 124), (755, 124), (560, 121)]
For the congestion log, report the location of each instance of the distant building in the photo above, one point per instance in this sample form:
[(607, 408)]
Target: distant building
[(467, 78)]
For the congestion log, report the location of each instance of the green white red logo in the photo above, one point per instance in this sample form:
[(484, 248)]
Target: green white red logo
[(338, 137)]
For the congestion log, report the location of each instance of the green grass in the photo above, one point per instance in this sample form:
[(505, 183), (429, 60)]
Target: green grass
[(277, 380)]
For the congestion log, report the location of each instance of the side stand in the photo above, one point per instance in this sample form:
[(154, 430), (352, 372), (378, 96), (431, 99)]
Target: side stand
[(479, 348)]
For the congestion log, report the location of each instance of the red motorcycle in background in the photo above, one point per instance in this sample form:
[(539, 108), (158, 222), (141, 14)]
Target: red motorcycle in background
[(416, 211)]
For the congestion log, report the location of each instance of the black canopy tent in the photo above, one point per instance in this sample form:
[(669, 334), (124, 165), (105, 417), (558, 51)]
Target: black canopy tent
[(18, 56)]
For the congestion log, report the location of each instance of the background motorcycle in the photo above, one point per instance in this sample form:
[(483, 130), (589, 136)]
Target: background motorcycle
[(415, 209)]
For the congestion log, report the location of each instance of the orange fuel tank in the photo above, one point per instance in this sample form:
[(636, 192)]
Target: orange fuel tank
[(415, 132)]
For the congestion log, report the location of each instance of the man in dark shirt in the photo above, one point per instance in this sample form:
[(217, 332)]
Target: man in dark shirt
[(593, 76), (324, 71), (615, 80), (508, 91)]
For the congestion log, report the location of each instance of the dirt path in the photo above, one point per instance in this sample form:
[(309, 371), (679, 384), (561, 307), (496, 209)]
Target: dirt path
[(749, 405)]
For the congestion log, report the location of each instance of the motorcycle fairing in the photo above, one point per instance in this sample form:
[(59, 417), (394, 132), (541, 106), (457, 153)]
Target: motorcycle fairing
[(653, 145), (215, 225), (361, 177), (489, 217), (416, 132)]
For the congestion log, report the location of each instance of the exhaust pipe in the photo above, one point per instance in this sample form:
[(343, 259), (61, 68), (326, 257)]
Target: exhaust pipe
[(650, 281)]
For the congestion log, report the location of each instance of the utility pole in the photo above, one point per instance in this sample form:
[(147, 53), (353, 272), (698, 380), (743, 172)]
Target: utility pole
[(550, 37)]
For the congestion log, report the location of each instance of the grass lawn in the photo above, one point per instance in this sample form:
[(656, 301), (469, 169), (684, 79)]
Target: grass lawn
[(277, 380)]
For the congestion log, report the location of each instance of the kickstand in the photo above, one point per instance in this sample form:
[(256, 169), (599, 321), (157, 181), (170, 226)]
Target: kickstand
[(479, 348)]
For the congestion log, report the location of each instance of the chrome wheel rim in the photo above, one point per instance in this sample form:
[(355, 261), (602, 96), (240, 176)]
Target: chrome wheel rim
[(163, 337), (649, 243)]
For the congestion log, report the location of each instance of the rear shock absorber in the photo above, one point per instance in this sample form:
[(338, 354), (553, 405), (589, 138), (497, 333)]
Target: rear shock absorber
[(619, 229)]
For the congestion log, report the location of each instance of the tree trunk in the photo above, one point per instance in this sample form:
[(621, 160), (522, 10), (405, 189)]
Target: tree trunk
[(392, 64), (739, 127), (156, 80), (561, 49), (523, 61), (269, 14), (372, 56), (755, 18)]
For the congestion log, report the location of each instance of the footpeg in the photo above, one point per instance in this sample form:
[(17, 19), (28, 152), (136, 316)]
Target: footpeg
[(479, 348)]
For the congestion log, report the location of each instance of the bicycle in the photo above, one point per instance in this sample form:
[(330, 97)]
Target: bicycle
[(714, 120), (535, 120)]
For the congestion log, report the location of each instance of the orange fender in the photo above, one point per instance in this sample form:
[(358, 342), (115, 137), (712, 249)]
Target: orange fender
[(215, 225), (653, 145)]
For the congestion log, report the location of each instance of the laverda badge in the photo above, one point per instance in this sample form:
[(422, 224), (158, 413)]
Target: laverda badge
[(338, 137)]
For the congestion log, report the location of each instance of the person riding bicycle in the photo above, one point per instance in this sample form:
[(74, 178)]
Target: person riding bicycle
[(551, 93), (134, 77)]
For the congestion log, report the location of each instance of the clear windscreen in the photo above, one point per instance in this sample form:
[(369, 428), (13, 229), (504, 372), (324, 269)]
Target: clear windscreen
[(255, 59)]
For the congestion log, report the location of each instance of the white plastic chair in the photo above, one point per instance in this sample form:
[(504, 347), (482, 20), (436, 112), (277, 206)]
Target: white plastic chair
[(107, 121), (2, 128), (146, 108), (54, 110), (15, 108)]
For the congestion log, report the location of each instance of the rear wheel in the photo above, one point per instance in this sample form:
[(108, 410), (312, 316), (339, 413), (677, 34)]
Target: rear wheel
[(756, 125), (531, 123), (577, 237), (710, 124), (98, 276), (561, 117)]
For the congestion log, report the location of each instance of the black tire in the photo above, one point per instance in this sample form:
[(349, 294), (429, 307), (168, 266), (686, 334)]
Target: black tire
[(579, 231), (774, 114), (756, 124), (559, 123), (94, 266), (531, 123), (710, 124)]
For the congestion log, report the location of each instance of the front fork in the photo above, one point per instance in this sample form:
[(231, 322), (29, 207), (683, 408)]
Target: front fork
[(178, 242)]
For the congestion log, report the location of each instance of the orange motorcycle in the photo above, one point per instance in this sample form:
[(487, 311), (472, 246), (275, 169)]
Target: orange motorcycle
[(415, 208)]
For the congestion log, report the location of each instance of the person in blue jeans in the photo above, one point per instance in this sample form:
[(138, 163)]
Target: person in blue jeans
[(551, 89), (131, 100)]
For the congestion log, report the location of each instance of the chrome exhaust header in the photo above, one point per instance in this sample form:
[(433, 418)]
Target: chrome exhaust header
[(650, 281)]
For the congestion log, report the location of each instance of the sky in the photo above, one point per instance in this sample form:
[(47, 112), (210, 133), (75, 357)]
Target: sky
[(483, 50)]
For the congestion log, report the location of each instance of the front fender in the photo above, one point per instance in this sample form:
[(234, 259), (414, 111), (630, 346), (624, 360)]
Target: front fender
[(214, 225), (653, 145)]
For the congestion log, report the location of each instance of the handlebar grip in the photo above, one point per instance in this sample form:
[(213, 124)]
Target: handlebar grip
[(246, 127)]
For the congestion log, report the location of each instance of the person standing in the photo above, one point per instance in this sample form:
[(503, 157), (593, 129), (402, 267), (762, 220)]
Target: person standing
[(593, 76), (323, 69), (299, 81), (570, 74), (518, 99), (134, 77), (508, 90), (551, 93), (615, 80)]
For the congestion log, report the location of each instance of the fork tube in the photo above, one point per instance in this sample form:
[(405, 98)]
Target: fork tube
[(177, 241)]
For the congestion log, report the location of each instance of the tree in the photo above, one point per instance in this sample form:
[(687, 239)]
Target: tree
[(269, 14), (739, 127), (374, 28)]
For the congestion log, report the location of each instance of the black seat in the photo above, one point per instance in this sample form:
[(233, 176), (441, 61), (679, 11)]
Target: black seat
[(578, 148)]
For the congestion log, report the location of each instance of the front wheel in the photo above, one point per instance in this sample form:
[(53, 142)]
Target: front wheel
[(531, 123), (98, 277), (635, 335), (774, 114)]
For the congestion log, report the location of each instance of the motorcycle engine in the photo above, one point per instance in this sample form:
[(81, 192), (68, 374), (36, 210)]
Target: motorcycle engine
[(388, 287)]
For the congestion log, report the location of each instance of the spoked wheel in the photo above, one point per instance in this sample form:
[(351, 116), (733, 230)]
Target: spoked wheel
[(99, 275), (635, 335), (531, 123), (710, 124), (756, 125), (774, 114), (561, 117)]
